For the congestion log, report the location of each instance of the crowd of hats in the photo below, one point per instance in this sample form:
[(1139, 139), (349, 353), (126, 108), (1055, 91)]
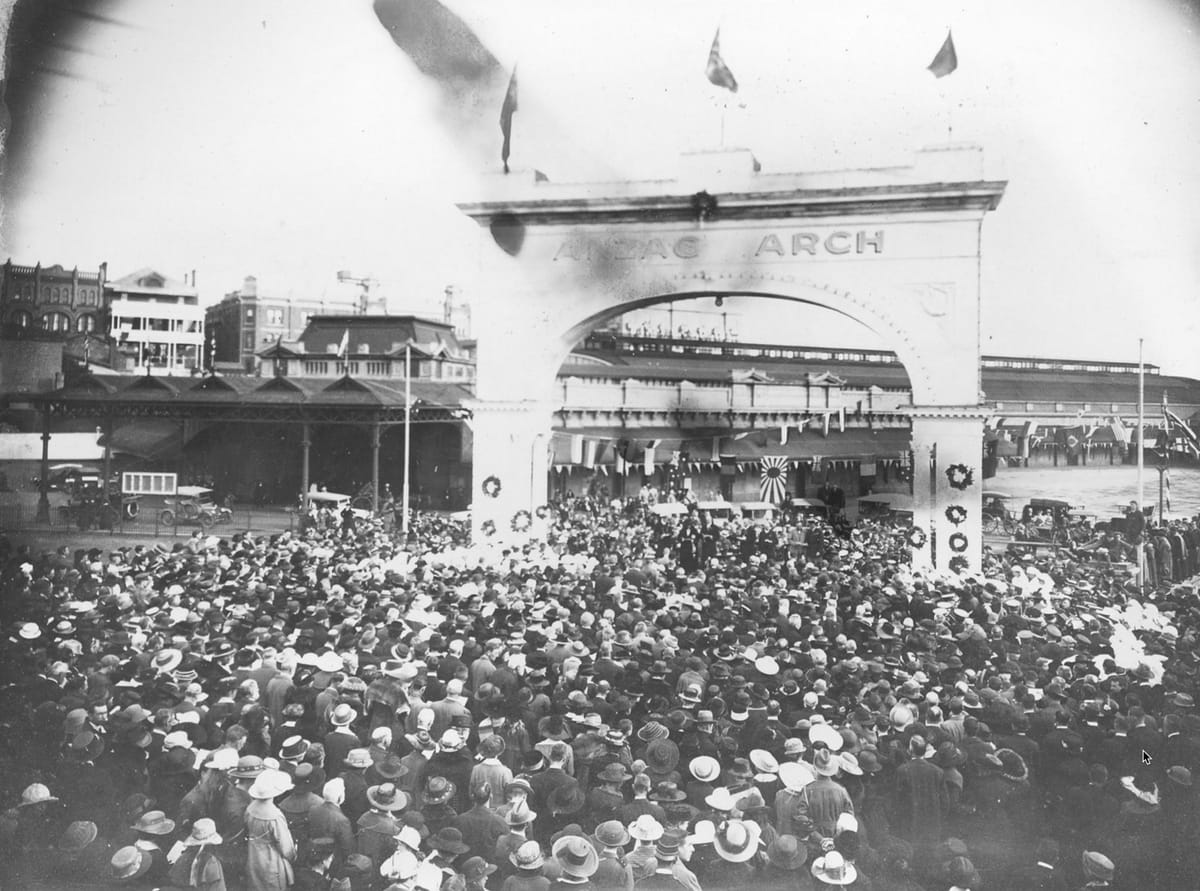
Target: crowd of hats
[(707, 670)]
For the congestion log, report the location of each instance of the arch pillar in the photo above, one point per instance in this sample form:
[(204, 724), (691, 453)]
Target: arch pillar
[(948, 473), (511, 443)]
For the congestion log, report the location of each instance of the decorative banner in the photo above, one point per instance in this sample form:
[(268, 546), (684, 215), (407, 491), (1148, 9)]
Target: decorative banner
[(842, 419), (576, 449), (783, 434), (716, 448), (589, 453), (648, 462), (773, 482)]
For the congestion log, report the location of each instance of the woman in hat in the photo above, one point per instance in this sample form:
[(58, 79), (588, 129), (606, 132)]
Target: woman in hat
[(832, 869), (605, 801), (198, 866), (735, 842), (154, 829), (784, 868), (269, 846), (528, 862), (577, 862), (490, 771)]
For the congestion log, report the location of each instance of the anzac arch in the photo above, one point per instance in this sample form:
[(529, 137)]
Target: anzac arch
[(896, 249)]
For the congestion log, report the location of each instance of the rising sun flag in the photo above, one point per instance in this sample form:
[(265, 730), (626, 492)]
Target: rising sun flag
[(716, 70), (772, 483), (946, 59)]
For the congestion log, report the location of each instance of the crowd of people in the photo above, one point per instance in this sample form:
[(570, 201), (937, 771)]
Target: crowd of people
[(627, 701)]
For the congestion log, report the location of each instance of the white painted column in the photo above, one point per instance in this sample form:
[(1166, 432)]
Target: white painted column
[(510, 442), (949, 501)]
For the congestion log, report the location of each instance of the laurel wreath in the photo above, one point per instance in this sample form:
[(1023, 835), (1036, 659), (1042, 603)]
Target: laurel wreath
[(956, 514), (958, 563), (958, 542), (488, 527), (521, 521), (542, 511), (917, 537), (960, 476), (491, 487)]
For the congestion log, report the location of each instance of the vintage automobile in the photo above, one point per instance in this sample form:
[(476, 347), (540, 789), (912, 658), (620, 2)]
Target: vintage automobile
[(193, 506), (337, 502), (998, 519)]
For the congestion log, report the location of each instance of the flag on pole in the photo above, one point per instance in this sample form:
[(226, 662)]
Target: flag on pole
[(1177, 425), (344, 344), (772, 484), (716, 70), (506, 113), (946, 59)]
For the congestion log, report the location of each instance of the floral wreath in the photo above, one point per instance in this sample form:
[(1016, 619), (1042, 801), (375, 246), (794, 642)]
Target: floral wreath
[(960, 476), (491, 487), (958, 542), (958, 563), (488, 527), (917, 537), (542, 511), (521, 521), (956, 514)]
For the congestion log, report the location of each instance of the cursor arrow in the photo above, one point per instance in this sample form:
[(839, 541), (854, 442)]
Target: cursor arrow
[(1146, 759)]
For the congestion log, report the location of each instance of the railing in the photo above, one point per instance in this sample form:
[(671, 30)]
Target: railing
[(580, 394)]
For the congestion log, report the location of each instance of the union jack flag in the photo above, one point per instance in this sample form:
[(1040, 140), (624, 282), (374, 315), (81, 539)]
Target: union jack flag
[(772, 484)]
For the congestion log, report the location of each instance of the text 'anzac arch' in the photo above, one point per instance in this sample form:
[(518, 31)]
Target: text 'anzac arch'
[(897, 249)]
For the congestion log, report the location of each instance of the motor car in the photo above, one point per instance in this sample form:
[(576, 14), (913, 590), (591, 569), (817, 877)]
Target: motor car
[(337, 502), (194, 506)]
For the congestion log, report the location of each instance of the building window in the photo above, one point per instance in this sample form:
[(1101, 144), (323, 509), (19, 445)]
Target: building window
[(249, 340), (86, 322), (22, 319), (249, 313), (275, 317), (56, 321)]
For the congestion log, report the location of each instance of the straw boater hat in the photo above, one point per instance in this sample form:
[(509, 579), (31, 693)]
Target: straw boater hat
[(576, 856), (646, 828), (705, 768), (155, 823), (342, 715), (795, 775)]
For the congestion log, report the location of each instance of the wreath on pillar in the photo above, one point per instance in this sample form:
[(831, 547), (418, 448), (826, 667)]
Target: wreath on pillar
[(521, 521), (958, 542), (958, 563), (960, 476), (488, 528), (542, 511), (956, 514), (917, 537), (491, 487)]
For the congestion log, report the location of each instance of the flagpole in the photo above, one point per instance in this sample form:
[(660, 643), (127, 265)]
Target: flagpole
[(407, 433), (1141, 469)]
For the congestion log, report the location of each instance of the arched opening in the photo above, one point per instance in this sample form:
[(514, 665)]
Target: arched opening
[(744, 398)]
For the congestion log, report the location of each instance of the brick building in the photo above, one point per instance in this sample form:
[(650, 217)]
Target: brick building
[(52, 298)]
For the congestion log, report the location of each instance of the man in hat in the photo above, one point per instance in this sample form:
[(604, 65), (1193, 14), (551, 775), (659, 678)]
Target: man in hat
[(1097, 869), (520, 821), (480, 826), (613, 873), (662, 876), (555, 775), (607, 799), (454, 763), (375, 836), (920, 797), (342, 738), (577, 862), (326, 820), (353, 776)]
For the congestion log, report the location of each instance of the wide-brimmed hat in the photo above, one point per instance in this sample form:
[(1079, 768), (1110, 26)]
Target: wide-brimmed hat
[(438, 790), (785, 852), (1097, 866), (662, 755), (386, 797), (612, 834), (476, 868), (764, 762), (720, 799), (832, 869), (668, 792), (520, 815), (36, 793), (823, 733), (576, 856), (409, 836), (736, 840), (528, 856), (204, 832), (795, 775), (569, 798), (850, 764), (248, 767), (129, 863), (342, 715), (646, 828), (358, 758), (270, 784), (826, 763), (705, 768), (652, 730), (449, 840), (614, 772), (77, 836), (155, 823)]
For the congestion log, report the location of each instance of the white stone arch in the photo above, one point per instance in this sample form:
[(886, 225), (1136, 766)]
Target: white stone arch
[(562, 259)]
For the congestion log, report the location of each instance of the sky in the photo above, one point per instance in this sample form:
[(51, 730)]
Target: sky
[(290, 139)]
